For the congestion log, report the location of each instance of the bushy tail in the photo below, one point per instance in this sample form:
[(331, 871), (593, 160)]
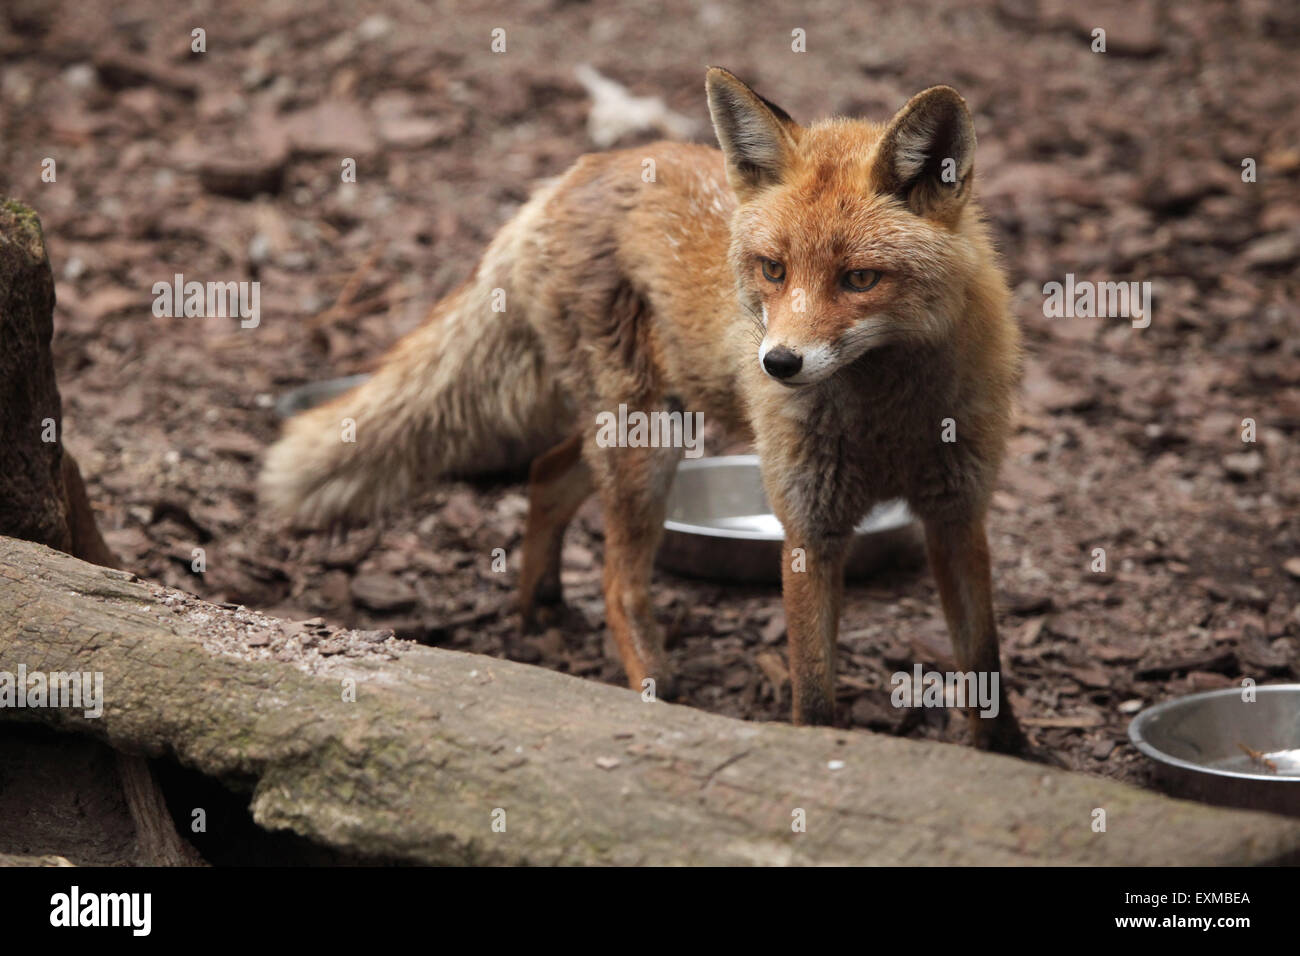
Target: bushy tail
[(468, 392)]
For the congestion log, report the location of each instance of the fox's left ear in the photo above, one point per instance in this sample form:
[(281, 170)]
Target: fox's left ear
[(756, 136), (926, 156)]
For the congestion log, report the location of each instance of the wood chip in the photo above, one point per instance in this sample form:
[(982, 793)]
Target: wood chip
[(1081, 721)]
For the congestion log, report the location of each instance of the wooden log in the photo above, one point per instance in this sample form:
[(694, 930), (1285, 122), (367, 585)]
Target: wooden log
[(445, 758)]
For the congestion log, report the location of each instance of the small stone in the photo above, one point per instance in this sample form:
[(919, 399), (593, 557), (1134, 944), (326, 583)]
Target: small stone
[(375, 27), (1102, 748), (382, 592), (1242, 466)]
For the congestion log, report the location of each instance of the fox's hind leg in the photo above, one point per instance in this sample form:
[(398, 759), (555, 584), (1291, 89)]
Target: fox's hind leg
[(959, 558), (633, 484), (558, 483)]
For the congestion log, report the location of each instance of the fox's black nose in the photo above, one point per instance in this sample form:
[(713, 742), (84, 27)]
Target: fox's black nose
[(780, 362)]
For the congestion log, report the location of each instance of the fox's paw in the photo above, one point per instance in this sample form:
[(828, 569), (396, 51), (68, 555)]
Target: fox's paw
[(659, 684), (1001, 734), (667, 688), (536, 617), (813, 709)]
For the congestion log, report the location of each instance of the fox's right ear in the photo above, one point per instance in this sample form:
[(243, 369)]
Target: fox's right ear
[(756, 136)]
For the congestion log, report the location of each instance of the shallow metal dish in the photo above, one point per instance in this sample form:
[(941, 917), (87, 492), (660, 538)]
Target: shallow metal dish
[(720, 526), (314, 393), (1196, 743)]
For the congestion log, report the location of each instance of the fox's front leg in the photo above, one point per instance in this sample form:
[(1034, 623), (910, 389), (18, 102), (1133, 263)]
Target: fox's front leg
[(959, 559), (812, 587)]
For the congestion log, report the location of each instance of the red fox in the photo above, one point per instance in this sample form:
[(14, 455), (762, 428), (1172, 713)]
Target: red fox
[(829, 292)]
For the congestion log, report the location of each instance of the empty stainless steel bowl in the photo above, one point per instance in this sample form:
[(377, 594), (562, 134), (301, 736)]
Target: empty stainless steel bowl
[(314, 393), (720, 526), (1221, 749)]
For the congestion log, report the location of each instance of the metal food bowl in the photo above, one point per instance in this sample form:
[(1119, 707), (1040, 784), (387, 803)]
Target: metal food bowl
[(314, 393), (720, 526), (1217, 748)]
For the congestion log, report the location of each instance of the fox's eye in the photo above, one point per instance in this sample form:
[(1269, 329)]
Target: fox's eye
[(860, 280), (773, 271)]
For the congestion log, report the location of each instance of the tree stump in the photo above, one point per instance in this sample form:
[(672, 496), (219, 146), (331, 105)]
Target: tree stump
[(42, 495)]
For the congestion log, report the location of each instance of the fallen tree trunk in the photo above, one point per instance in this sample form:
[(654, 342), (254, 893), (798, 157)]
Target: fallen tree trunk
[(439, 746)]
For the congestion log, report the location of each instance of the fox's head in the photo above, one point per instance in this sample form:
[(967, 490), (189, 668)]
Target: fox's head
[(849, 235)]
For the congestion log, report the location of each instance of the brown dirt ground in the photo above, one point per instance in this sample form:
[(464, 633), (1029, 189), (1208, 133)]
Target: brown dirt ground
[(1117, 166)]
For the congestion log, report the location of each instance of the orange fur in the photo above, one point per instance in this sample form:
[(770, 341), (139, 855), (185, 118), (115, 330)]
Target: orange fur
[(651, 292)]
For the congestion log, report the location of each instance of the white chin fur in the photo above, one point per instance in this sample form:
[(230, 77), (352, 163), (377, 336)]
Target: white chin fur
[(819, 361)]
